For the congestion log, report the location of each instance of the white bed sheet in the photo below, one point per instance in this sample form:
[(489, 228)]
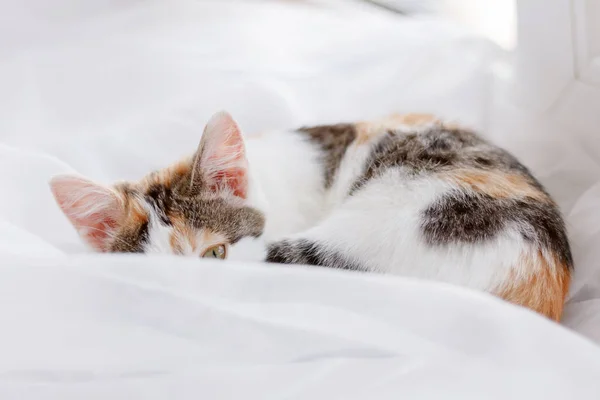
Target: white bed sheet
[(112, 89)]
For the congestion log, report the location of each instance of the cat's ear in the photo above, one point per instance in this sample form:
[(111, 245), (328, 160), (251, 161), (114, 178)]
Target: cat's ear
[(220, 160), (95, 211)]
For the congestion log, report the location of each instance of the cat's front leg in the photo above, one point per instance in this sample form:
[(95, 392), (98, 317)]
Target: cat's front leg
[(309, 252)]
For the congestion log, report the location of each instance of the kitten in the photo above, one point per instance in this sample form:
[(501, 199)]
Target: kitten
[(406, 195)]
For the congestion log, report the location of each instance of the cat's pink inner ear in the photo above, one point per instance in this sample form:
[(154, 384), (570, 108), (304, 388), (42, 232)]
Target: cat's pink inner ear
[(94, 210), (221, 156)]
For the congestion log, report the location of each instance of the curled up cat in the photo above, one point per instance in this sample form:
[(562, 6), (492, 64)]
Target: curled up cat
[(407, 195)]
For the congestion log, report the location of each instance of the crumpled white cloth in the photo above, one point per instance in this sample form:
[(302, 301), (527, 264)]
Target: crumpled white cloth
[(158, 328), (113, 89)]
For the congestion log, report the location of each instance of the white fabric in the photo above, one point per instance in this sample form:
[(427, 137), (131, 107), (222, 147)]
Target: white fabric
[(113, 89)]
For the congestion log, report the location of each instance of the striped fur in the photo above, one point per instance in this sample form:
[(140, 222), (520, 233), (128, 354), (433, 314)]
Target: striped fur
[(408, 195)]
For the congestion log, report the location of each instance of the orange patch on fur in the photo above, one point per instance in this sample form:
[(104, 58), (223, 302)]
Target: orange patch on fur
[(544, 290), (369, 130), (453, 126), (210, 239), (137, 214), (134, 214), (415, 119), (167, 175), (497, 184), (182, 236)]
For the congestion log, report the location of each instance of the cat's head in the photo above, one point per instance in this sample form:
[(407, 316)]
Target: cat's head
[(198, 207)]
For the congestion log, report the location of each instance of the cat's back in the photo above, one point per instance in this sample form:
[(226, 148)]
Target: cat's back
[(421, 147), (418, 143), (438, 201)]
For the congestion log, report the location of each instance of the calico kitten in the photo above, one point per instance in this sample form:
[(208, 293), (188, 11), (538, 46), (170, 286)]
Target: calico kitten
[(406, 195)]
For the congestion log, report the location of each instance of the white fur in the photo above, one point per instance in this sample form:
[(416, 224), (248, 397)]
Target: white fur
[(351, 167), (286, 182), (159, 235), (378, 227)]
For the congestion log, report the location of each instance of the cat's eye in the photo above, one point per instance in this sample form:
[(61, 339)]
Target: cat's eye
[(218, 251)]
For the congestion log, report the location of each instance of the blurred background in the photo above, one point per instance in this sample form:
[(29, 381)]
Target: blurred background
[(92, 66)]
